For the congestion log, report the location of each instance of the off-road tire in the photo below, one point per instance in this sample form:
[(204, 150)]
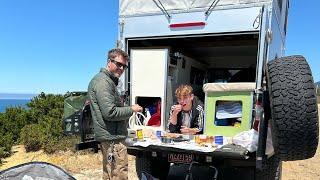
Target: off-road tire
[(294, 111), (271, 170)]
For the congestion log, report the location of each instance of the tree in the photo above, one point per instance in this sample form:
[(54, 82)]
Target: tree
[(37, 125), (14, 119)]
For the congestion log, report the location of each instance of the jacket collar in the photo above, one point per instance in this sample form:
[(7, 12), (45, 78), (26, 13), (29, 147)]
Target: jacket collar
[(111, 76)]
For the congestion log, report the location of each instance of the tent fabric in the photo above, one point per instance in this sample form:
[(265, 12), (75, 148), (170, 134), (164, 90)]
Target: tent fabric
[(35, 171), (225, 87), (139, 7)]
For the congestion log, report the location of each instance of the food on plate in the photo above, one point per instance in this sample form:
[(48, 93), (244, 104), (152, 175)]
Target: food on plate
[(172, 135)]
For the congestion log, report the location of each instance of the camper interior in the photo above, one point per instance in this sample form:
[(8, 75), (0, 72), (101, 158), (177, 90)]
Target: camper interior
[(197, 60)]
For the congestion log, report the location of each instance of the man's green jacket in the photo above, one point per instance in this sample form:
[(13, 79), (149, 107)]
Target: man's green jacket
[(110, 117)]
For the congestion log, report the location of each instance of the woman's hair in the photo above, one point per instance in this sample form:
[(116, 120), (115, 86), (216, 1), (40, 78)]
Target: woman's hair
[(183, 91)]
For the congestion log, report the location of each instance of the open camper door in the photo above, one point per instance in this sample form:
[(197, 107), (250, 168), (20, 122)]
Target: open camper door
[(269, 48), (148, 72), (271, 41), (263, 47)]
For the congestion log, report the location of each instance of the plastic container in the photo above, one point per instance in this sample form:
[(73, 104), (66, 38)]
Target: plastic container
[(218, 140), (159, 133), (139, 134)]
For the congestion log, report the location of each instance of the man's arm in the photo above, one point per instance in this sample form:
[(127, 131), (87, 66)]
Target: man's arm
[(106, 100)]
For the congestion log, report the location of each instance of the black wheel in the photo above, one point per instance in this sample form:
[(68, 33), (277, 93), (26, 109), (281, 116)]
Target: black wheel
[(294, 111), (157, 168), (271, 170)]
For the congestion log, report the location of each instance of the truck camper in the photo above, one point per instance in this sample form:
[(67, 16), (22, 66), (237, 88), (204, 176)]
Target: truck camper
[(260, 107)]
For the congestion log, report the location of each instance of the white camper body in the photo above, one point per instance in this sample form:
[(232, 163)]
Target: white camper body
[(220, 42), (169, 41)]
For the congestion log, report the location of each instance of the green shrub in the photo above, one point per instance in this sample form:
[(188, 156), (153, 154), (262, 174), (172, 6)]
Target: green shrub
[(2, 154), (52, 127), (40, 125), (45, 110), (53, 133), (50, 146), (64, 144), (13, 120), (32, 136), (6, 143), (44, 104)]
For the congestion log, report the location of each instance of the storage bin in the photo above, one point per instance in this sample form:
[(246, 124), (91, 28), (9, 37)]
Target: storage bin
[(227, 92)]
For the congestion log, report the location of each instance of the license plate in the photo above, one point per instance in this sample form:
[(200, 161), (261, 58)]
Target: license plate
[(180, 158)]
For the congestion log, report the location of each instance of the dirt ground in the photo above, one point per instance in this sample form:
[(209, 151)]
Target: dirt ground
[(81, 165), (87, 165)]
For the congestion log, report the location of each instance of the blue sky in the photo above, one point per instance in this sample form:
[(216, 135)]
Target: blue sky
[(55, 46)]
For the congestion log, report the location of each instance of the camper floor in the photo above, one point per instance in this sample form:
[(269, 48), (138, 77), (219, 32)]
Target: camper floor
[(85, 165)]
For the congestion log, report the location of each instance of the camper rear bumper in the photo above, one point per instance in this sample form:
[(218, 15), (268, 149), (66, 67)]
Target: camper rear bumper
[(225, 156)]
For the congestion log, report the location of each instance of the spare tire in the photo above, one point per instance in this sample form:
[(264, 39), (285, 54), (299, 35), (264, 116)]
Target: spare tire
[(294, 111)]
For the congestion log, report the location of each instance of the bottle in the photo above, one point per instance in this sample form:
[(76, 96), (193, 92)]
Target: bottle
[(148, 116)]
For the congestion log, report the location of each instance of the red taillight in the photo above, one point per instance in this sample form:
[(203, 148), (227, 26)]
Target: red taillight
[(188, 24)]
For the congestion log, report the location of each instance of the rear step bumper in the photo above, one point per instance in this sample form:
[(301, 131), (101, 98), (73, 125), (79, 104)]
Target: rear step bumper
[(226, 154)]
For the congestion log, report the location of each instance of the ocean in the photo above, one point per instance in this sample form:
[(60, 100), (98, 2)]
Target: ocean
[(4, 103)]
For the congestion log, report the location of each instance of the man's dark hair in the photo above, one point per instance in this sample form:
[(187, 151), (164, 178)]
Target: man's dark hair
[(113, 53)]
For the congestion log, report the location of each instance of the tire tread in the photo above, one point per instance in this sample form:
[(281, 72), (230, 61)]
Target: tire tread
[(294, 111)]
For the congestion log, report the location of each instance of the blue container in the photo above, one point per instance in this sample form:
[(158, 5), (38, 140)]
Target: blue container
[(159, 133), (218, 140)]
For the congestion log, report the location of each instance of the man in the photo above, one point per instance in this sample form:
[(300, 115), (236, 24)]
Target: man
[(110, 117), (187, 116)]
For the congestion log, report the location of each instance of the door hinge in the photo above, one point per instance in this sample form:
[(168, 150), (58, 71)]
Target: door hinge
[(269, 36)]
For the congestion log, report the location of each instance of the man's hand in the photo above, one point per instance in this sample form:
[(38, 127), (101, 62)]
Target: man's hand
[(186, 130), (136, 108), (176, 109)]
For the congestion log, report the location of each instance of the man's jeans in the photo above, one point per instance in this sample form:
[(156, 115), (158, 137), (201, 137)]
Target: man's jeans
[(115, 160)]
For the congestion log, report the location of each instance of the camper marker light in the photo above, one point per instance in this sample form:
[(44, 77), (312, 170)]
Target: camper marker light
[(188, 24)]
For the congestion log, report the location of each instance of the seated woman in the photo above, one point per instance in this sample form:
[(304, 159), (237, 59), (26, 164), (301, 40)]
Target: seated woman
[(186, 116)]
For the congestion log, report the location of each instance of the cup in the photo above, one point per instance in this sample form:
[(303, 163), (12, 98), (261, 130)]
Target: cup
[(159, 133), (210, 139), (166, 140), (139, 134), (218, 140), (203, 138), (196, 139)]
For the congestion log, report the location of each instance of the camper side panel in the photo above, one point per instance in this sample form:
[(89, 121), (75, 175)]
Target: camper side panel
[(219, 21)]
